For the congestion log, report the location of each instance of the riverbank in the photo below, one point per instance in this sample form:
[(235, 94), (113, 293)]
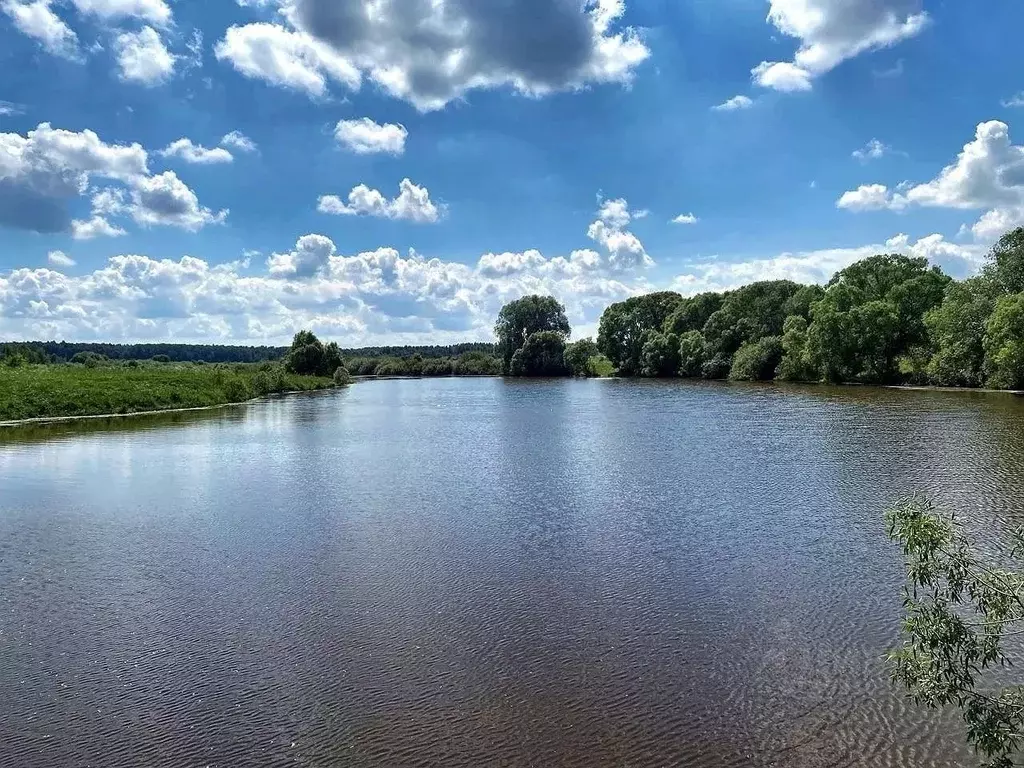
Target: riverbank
[(51, 392)]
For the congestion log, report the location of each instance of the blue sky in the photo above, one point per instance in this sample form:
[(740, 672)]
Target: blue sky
[(394, 170)]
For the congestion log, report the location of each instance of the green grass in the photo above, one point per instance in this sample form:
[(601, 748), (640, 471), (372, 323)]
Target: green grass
[(35, 391)]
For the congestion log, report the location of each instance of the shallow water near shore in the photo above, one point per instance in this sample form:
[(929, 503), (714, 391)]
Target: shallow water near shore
[(471, 572)]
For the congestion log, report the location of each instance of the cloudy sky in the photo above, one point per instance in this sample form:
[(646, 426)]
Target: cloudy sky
[(392, 171)]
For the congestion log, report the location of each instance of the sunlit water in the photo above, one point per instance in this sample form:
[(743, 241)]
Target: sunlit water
[(482, 573)]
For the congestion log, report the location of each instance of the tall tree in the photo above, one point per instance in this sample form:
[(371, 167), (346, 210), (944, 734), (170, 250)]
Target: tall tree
[(1004, 343), (624, 327), (543, 354), (520, 319)]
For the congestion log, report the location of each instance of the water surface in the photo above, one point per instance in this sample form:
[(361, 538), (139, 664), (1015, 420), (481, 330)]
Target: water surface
[(482, 573)]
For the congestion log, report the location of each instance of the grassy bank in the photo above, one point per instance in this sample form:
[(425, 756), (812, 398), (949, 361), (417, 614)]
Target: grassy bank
[(43, 391)]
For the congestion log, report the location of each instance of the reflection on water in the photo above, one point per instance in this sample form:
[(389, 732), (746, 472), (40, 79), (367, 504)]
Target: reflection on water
[(480, 572)]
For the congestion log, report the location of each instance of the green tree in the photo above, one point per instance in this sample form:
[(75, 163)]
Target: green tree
[(660, 355), (1005, 266), (795, 365), (748, 314), (543, 354), (757, 360), (957, 332), (624, 326), (520, 319), (958, 608), (692, 313), (1004, 343), (871, 316), (578, 355), (309, 357), (691, 354)]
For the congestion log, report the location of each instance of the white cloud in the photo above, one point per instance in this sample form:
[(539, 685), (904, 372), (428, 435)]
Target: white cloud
[(45, 169), (685, 218), (832, 31), (143, 58), (1017, 100), (195, 153), (238, 140), (412, 204), (10, 108), (782, 76), (97, 226), (59, 259), (36, 19), (867, 197), (285, 58), (311, 255), (736, 102), (365, 137), (987, 174), (154, 11), (165, 200), (873, 150), (625, 251), (431, 53)]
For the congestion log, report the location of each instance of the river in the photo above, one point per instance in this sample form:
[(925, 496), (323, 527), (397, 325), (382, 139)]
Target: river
[(467, 573)]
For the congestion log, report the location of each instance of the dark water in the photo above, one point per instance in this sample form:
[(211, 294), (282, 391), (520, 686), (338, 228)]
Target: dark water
[(482, 573)]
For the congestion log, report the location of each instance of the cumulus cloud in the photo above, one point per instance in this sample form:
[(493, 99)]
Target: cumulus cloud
[(36, 19), (736, 102), (195, 153), (685, 218), (365, 137), (238, 140), (412, 204), (41, 172), (59, 259), (431, 53), (285, 58), (164, 199), (154, 11), (987, 174), (143, 58), (831, 31)]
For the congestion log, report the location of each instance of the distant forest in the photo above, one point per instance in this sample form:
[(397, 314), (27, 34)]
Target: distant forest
[(64, 351)]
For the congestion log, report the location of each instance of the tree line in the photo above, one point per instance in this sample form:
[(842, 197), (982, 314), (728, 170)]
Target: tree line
[(887, 319)]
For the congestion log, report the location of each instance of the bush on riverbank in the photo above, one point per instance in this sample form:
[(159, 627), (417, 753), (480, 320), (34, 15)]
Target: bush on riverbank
[(34, 391)]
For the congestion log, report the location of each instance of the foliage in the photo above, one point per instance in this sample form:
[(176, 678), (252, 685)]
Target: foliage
[(795, 364), (957, 331), (1005, 267), (308, 356), (342, 378), (578, 356), (520, 319), (600, 367), (871, 314), (691, 354), (958, 608), (34, 391), (161, 359), (660, 355), (543, 354), (757, 360), (1004, 343), (692, 313), (625, 325)]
